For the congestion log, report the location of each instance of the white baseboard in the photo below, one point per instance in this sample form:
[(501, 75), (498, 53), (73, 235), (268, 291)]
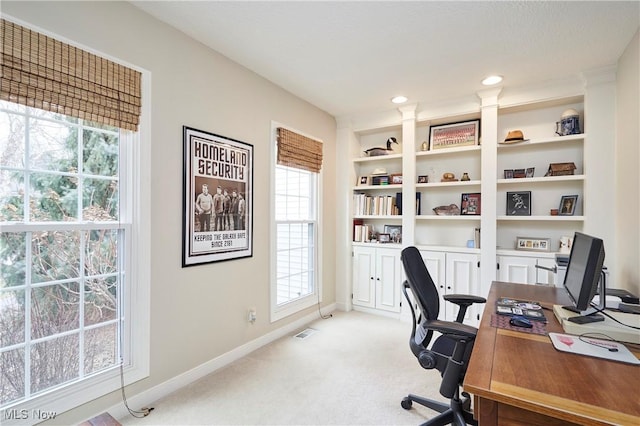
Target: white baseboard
[(146, 398)]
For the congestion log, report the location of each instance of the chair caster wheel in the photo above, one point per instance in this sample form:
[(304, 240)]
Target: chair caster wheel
[(406, 403)]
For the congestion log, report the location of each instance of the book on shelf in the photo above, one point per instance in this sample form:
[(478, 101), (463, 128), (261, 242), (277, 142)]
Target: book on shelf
[(418, 202), (379, 205), (529, 309)]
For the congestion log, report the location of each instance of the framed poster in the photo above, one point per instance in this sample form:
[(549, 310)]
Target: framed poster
[(471, 204), (217, 221), (519, 203), (454, 135)]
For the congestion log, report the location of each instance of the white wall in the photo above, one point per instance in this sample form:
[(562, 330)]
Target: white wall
[(627, 159), (197, 313)]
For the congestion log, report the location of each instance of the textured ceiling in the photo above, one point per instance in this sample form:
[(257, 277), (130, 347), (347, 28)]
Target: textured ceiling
[(352, 57)]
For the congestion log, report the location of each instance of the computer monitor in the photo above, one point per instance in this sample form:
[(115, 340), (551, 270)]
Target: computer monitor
[(584, 277)]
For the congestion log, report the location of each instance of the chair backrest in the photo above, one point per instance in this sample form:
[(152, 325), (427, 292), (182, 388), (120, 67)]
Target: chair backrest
[(420, 282)]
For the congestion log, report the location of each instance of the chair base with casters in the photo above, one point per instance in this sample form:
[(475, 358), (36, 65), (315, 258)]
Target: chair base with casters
[(458, 412)]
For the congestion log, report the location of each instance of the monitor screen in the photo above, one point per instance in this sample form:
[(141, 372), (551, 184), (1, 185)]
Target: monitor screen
[(584, 270)]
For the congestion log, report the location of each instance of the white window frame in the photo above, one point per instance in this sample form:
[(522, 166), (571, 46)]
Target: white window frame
[(136, 174), (315, 298)]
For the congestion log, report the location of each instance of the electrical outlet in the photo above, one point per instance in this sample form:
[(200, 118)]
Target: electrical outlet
[(252, 315)]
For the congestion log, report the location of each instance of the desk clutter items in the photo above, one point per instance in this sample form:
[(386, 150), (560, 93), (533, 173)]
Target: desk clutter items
[(514, 136), (511, 307), (378, 151), (587, 345), (502, 321), (560, 169)]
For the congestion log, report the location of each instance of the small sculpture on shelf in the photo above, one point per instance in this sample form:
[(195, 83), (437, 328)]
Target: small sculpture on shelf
[(377, 151), (448, 177), (450, 210), (569, 124)]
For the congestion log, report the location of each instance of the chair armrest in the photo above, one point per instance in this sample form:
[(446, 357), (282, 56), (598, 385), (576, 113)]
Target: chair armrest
[(452, 329), (463, 301)]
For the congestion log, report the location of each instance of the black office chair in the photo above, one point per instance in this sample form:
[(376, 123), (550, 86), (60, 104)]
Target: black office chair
[(450, 352)]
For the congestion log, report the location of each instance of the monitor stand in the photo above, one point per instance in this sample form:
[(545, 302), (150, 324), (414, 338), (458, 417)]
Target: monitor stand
[(591, 314), (585, 317)]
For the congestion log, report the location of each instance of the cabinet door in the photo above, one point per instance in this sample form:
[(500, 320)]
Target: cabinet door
[(387, 279), (516, 269), (545, 276), (364, 276), (435, 263), (461, 277)]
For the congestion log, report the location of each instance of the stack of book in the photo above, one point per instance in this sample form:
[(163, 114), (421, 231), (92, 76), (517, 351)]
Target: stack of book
[(380, 205)]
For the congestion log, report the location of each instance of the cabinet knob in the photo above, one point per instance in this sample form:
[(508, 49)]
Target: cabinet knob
[(378, 279)]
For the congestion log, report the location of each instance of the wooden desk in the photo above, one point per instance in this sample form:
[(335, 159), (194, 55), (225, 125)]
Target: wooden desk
[(519, 378)]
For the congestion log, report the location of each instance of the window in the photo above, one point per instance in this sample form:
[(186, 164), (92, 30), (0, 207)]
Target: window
[(68, 212), (295, 284)]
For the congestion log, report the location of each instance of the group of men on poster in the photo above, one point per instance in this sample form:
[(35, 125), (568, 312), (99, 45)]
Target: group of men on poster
[(228, 211)]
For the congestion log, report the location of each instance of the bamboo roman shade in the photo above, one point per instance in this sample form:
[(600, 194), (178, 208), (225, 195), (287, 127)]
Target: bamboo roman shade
[(299, 151), (41, 72)]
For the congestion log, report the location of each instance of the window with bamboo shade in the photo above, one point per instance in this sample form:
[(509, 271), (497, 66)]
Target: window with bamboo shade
[(42, 72), (298, 151)]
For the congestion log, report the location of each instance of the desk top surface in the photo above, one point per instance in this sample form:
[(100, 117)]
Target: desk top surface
[(525, 370)]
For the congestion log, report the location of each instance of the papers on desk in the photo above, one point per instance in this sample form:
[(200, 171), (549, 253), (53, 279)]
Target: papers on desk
[(529, 309), (588, 346)]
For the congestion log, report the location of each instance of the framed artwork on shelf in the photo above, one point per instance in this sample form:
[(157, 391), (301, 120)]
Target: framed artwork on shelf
[(533, 244), (568, 205), (470, 204), (206, 236), (384, 238), (530, 172), (454, 135), (508, 174), (519, 203), (363, 180), (395, 232), (423, 179)]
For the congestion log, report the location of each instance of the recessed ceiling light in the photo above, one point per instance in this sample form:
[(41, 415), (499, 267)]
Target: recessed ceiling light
[(399, 99), (491, 80)]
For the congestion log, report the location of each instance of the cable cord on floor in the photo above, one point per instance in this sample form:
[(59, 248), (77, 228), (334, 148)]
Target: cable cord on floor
[(320, 312), (144, 412)]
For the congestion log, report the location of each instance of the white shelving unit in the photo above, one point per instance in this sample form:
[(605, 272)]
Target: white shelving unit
[(534, 112)]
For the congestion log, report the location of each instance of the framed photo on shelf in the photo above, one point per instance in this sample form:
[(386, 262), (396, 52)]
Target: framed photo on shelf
[(423, 179), (568, 205), (508, 174), (363, 180), (533, 244), (384, 238), (470, 204), (519, 203), (396, 179), (519, 173), (454, 135), (395, 233), (530, 172)]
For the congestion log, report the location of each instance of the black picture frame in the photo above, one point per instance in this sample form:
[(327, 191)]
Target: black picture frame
[(567, 205), (519, 203), (471, 204), (221, 165)]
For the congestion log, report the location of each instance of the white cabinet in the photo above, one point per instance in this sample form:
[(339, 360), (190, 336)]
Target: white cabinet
[(454, 273), (377, 277), (525, 270)]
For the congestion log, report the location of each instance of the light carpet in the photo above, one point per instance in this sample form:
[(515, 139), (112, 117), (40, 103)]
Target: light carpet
[(354, 370)]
